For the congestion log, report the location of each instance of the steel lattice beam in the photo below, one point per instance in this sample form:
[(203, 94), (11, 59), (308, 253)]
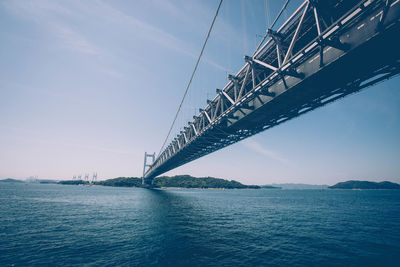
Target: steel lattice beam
[(304, 65)]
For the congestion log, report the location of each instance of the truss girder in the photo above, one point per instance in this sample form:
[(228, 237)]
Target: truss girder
[(317, 56)]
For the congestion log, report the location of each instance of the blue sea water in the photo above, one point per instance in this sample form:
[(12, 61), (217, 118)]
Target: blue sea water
[(59, 225)]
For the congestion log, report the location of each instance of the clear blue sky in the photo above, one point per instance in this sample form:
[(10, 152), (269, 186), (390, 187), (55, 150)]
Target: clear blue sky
[(90, 85)]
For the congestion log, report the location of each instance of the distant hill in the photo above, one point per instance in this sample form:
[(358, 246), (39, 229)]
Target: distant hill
[(10, 180), (365, 185), (300, 186)]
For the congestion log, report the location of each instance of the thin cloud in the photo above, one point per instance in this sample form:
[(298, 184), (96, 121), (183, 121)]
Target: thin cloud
[(35, 9), (54, 17), (35, 136), (258, 148), (150, 32), (183, 10), (75, 41), (47, 14), (141, 29), (113, 73)]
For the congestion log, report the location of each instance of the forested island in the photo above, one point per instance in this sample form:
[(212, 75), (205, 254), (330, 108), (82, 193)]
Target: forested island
[(73, 182), (122, 182), (178, 181), (365, 185), (187, 181)]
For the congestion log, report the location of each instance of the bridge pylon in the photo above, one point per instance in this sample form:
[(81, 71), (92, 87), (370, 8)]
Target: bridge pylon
[(146, 181)]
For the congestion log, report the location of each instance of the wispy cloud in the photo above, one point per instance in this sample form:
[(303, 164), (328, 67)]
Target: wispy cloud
[(58, 19), (144, 30), (113, 73), (183, 11), (48, 14), (74, 41), (35, 9), (258, 148), (222, 33), (34, 136)]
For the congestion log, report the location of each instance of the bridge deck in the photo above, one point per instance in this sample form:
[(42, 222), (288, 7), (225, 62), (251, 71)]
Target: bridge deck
[(320, 54)]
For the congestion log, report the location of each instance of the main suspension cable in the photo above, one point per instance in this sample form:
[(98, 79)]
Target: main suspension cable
[(191, 77)]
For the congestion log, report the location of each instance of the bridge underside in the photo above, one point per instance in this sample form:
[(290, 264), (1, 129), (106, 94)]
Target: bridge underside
[(284, 80)]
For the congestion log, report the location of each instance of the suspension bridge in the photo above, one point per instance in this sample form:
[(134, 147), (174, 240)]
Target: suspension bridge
[(324, 51)]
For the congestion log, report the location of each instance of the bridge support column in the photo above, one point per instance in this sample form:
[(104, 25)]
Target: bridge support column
[(146, 156)]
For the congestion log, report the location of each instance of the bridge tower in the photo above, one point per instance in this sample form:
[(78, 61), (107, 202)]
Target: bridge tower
[(146, 164), (94, 178)]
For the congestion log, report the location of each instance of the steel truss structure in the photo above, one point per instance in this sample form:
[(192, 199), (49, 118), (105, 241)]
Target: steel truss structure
[(324, 51)]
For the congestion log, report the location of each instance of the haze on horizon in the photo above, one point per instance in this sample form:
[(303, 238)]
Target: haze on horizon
[(91, 85)]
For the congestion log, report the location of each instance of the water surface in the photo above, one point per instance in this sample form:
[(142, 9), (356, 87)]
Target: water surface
[(61, 225)]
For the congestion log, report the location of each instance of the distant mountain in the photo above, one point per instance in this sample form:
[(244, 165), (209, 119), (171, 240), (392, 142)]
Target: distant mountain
[(300, 186), (10, 180), (365, 185)]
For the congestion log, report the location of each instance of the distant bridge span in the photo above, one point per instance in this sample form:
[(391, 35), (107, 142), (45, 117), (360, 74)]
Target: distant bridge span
[(324, 51)]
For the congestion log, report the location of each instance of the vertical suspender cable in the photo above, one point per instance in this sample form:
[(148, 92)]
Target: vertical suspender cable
[(216, 69), (245, 45), (229, 41), (267, 14), (191, 77), (272, 25)]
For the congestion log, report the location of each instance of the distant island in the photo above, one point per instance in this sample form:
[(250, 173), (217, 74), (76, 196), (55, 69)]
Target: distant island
[(298, 186), (40, 181), (270, 187), (365, 185), (121, 182), (178, 181), (10, 180), (187, 181), (73, 182), (47, 181)]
